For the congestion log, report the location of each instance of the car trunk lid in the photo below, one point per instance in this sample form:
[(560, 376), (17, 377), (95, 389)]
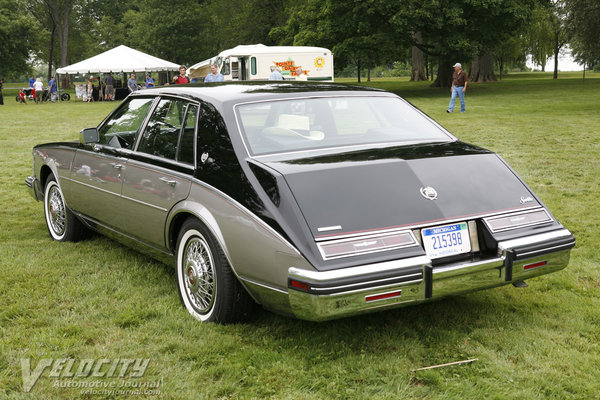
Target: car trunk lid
[(391, 188)]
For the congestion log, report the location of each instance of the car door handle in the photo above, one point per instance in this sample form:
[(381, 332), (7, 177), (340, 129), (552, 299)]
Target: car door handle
[(168, 181)]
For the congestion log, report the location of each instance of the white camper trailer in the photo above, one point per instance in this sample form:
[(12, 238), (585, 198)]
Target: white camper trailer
[(252, 62)]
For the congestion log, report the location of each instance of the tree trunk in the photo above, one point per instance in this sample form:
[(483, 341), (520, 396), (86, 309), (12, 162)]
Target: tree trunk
[(418, 66), (444, 77), (556, 51), (482, 69), (358, 69), (418, 61), (501, 65), (368, 74), (61, 11), (51, 56)]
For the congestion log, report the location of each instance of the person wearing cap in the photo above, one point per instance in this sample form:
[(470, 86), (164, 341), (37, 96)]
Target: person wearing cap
[(149, 81), (275, 74), (459, 87)]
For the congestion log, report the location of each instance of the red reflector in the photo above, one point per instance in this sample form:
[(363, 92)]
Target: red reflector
[(299, 285), (383, 296), (534, 265)]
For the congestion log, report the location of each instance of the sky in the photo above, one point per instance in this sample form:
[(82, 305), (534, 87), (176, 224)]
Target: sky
[(565, 63)]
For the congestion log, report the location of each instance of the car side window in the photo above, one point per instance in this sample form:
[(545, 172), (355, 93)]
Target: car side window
[(161, 135), (120, 130), (186, 143)]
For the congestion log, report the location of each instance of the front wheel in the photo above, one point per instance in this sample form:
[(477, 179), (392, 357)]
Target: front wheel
[(65, 97), (62, 224), (207, 286)]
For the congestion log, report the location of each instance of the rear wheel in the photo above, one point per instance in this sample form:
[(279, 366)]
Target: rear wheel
[(62, 224), (65, 97), (207, 286)]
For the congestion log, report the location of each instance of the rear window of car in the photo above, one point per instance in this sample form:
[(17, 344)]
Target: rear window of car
[(314, 123)]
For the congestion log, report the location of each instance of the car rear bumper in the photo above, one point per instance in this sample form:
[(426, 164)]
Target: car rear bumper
[(34, 186), (316, 295)]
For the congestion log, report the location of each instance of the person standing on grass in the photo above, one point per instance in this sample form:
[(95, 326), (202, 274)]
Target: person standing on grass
[(459, 87), (52, 90), (38, 86), (132, 84), (90, 90), (149, 81), (109, 91)]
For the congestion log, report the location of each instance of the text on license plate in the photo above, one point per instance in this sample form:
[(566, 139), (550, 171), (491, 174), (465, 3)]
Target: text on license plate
[(447, 240)]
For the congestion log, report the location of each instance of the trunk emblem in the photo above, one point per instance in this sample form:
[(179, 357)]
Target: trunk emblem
[(429, 193), (527, 199)]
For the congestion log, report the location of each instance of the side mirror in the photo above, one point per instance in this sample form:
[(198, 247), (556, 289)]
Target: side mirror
[(89, 135)]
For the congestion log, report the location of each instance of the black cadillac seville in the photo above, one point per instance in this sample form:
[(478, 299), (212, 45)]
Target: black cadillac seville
[(317, 201)]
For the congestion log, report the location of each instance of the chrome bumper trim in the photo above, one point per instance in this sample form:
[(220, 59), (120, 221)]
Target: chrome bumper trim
[(530, 240), (363, 270), (340, 293), (35, 190)]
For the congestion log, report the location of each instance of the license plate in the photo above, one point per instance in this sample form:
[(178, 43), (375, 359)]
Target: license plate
[(447, 240)]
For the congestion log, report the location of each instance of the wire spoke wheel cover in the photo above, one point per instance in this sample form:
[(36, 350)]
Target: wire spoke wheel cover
[(207, 285), (55, 210), (199, 275)]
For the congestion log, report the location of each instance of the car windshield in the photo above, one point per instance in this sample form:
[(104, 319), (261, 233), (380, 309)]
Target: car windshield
[(316, 123)]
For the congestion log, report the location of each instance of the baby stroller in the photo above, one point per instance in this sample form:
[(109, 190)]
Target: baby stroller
[(28, 94)]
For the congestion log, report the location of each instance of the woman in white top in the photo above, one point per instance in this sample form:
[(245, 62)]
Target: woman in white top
[(38, 86), (90, 89)]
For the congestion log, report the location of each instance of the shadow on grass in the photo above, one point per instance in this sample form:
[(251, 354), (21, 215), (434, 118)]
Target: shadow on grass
[(415, 333)]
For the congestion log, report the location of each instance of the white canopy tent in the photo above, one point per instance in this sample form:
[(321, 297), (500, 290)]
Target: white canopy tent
[(118, 60)]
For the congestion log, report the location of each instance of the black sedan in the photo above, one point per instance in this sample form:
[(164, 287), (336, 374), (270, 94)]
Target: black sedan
[(316, 201)]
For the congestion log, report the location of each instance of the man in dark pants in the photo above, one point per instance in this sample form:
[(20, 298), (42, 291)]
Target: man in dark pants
[(459, 87)]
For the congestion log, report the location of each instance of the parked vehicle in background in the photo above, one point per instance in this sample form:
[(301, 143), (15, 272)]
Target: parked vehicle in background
[(64, 96), (252, 62), (317, 201)]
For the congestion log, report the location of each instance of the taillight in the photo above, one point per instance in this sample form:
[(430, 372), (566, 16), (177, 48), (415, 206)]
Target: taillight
[(534, 265), (383, 296), (299, 285)]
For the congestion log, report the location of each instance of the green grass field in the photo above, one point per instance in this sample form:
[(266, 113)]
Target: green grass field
[(98, 300)]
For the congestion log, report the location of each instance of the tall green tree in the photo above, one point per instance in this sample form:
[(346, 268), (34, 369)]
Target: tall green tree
[(357, 31), (458, 30), (583, 25), (16, 29), (538, 36), (43, 41), (558, 28), (173, 30)]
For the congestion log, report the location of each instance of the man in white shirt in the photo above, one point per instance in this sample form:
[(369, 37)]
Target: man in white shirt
[(300, 76), (275, 74)]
